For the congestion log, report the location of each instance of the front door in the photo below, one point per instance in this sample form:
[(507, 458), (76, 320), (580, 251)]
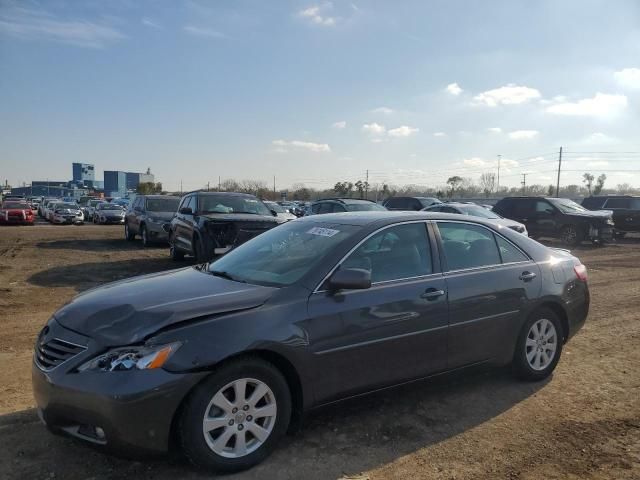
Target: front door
[(392, 332)]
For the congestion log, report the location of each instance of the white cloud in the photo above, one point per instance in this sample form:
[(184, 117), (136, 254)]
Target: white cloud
[(315, 14), (494, 129), (599, 138), (285, 145), (507, 163), (601, 105), (40, 25), (439, 134), (598, 163), (508, 95), (378, 140), (203, 31), (628, 77), (523, 134), (147, 22), (374, 128), (341, 124), (454, 89), (384, 110), (475, 162), (403, 131)]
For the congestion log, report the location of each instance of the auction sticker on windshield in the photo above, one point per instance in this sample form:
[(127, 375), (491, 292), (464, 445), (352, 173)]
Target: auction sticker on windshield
[(323, 232)]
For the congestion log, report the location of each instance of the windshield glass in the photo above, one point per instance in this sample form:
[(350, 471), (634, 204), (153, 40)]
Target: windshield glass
[(93, 203), (14, 205), (67, 205), (109, 206), (478, 212), (364, 207), (282, 255), (162, 204), (275, 207), (231, 204), (567, 206)]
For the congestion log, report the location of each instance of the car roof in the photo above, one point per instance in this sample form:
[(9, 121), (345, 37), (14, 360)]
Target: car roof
[(158, 196), (229, 194), (384, 217), (345, 200)]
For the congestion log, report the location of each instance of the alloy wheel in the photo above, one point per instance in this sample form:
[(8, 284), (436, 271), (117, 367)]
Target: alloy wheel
[(239, 418), (569, 235), (541, 344)]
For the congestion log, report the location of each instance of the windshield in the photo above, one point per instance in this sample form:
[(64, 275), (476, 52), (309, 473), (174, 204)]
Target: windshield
[(14, 205), (109, 206), (162, 204), (275, 207), (231, 204), (478, 212), (93, 203), (364, 207), (282, 255), (567, 206), (67, 205)]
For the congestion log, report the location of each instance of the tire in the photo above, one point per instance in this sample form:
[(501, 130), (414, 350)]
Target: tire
[(144, 236), (95, 220), (571, 235), (175, 254), (128, 235), (536, 357), (208, 449)]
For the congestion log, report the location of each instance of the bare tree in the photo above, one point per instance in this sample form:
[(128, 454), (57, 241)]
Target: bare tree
[(453, 182), (487, 183), (599, 184), (587, 179)]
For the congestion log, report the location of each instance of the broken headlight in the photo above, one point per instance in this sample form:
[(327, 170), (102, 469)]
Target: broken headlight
[(131, 358)]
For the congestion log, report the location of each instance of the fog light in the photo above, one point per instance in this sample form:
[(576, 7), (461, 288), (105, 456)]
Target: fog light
[(100, 433)]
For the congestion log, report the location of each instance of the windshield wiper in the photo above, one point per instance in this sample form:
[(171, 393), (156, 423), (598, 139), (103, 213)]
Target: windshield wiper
[(227, 275)]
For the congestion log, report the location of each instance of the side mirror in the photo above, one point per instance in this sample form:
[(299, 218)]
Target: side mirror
[(186, 211), (350, 279), (274, 213)]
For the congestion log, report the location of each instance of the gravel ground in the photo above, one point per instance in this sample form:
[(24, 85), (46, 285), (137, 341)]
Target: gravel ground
[(583, 423)]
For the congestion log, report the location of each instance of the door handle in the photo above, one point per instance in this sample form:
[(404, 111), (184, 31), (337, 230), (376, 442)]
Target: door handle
[(432, 294), (526, 276)]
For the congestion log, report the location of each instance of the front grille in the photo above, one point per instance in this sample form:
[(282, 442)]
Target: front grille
[(54, 352)]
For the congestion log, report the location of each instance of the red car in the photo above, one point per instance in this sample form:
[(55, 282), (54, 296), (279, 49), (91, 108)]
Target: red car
[(13, 212)]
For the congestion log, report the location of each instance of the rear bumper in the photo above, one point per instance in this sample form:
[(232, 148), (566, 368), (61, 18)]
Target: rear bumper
[(125, 412), (577, 307), (156, 232)]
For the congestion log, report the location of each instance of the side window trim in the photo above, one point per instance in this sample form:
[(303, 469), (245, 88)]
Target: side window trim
[(443, 260), (437, 271)]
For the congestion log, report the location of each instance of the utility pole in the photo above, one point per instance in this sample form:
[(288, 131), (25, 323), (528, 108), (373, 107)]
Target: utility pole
[(180, 187), (366, 186), (274, 188), (559, 167), (219, 183), (498, 187), (208, 186), (524, 184)]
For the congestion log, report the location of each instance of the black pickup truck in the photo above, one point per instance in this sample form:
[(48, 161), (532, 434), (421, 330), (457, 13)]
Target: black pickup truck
[(625, 208)]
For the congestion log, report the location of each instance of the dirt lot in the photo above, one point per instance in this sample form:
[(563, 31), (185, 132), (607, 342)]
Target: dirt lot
[(582, 423)]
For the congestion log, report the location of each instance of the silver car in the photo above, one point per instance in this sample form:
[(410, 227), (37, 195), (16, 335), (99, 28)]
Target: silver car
[(477, 211)]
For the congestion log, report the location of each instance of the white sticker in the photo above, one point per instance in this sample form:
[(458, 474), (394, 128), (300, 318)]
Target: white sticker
[(323, 232)]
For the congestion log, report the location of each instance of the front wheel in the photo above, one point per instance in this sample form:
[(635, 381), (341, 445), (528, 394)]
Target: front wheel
[(145, 236), (234, 419), (539, 346), (128, 234), (571, 235), (175, 254)]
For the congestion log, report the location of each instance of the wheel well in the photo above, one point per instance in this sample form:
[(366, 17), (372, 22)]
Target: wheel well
[(562, 316), (280, 362)]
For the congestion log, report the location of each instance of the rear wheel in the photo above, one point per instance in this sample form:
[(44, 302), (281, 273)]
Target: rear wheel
[(234, 419), (539, 346)]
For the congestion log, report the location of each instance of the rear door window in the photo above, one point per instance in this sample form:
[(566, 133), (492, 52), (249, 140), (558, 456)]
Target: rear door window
[(618, 203), (468, 246), (394, 253), (509, 252)]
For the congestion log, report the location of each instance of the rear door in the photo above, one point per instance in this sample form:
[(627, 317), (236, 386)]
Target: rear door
[(489, 282), (624, 217), (392, 332), (183, 230)]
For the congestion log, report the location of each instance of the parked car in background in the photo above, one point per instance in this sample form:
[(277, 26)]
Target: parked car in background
[(409, 203), (625, 208), (106, 213), (90, 209), (557, 218), (279, 211), (147, 217), (49, 209), (123, 202), (210, 224), (337, 205), (292, 207), (218, 358), (476, 211), (67, 212), (42, 208), (16, 212)]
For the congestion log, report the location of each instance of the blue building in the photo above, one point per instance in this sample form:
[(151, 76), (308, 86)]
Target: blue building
[(83, 174), (115, 183)]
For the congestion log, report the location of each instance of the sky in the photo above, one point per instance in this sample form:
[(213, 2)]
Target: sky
[(320, 92)]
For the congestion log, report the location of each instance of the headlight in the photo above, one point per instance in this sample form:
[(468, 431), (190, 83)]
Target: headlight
[(609, 221), (131, 358)]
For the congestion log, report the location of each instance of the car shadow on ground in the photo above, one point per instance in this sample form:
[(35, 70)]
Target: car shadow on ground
[(98, 245), (88, 275), (342, 439)]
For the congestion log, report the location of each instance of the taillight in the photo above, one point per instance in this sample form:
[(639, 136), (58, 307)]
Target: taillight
[(581, 272)]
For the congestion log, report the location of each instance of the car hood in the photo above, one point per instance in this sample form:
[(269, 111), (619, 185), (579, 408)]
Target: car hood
[(164, 216), (128, 311), (505, 222), (602, 214), (240, 217)]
